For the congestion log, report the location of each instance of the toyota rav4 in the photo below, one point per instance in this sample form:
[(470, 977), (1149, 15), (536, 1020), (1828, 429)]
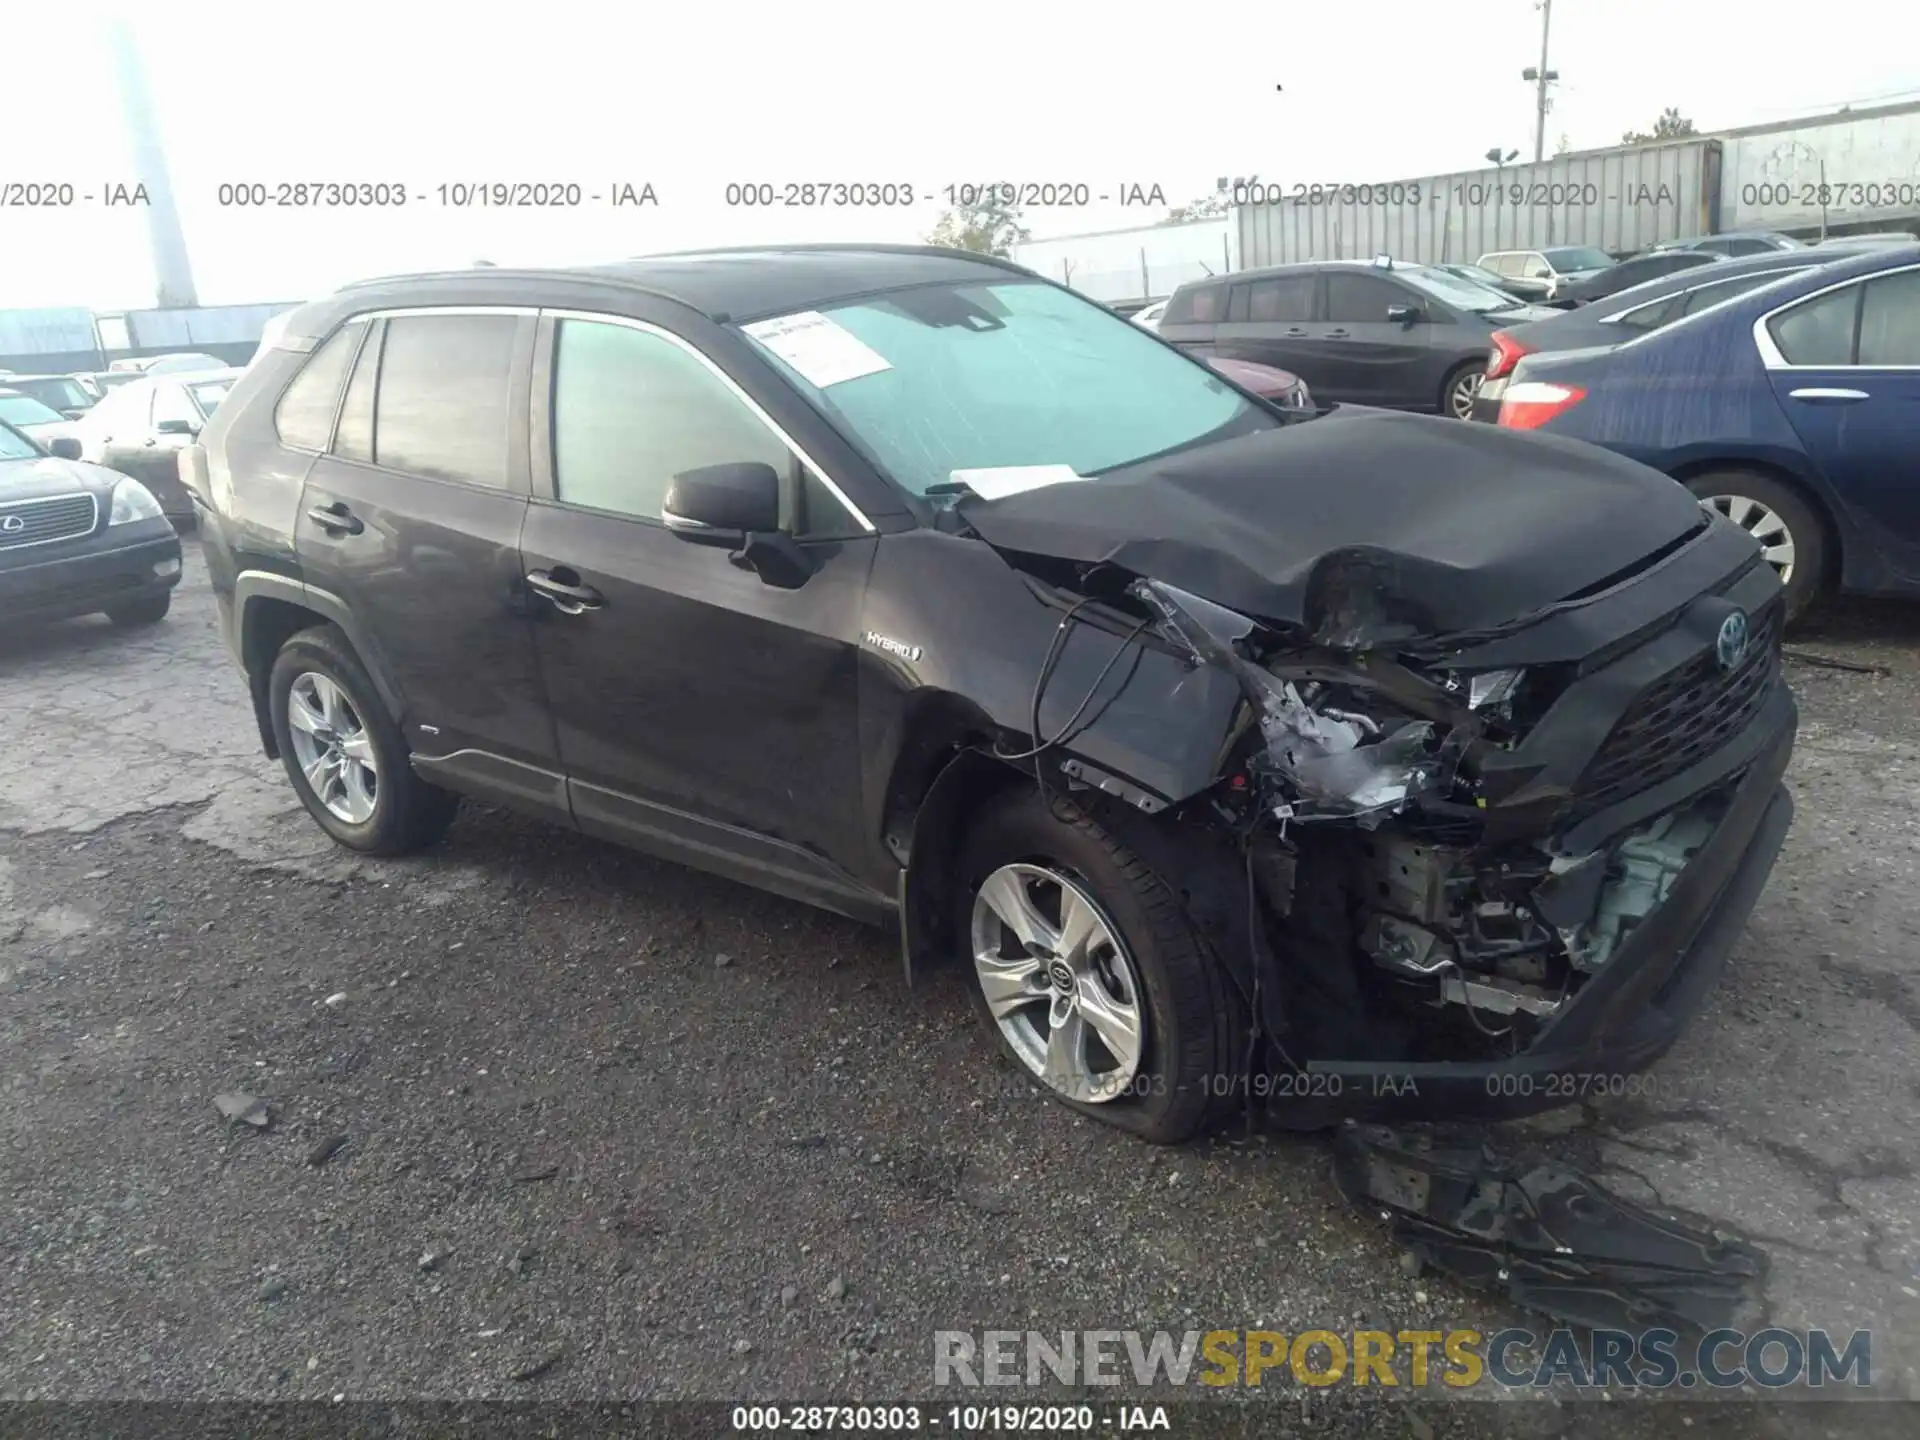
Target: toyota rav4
[(1344, 764)]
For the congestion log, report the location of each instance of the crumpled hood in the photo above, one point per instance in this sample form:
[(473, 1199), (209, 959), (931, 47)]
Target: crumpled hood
[(1363, 526)]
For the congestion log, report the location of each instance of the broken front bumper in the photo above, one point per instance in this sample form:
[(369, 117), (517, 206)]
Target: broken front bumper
[(1624, 1017)]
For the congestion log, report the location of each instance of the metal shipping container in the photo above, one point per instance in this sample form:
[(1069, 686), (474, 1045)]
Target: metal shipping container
[(206, 325), (1124, 266), (26, 333), (1620, 200), (1853, 169)]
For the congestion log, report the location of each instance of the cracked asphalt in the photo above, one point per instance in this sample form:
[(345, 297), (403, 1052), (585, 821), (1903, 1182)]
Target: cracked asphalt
[(655, 1135)]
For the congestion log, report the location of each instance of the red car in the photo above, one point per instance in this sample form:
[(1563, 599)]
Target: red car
[(1282, 387)]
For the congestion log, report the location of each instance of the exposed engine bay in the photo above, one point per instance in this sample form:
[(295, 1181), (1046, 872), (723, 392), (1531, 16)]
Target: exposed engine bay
[(1354, 784)]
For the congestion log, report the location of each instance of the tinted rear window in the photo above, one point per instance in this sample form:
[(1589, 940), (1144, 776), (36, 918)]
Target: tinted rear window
[(304, 416), (442, 404), (1282, 298)]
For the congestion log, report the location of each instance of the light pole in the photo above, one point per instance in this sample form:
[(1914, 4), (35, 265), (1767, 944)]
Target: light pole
[(1541, 78), (173, 276)]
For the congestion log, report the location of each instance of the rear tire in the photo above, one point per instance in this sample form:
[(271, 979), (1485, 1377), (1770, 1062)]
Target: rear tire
[(150, 611), (406, 813), (1791, 532), (1190, 1036)]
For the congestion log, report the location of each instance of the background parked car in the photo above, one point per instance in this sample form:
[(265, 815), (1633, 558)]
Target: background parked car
[(1479, 276), (1631, 272), (140, 430), (1881, 239), (1646, 307), (1736, 243), (1282, 387), (1532, 274), (59, 392), (168, 364), (35, 419), (1405, 337), (1150, 316), (1790, 409)]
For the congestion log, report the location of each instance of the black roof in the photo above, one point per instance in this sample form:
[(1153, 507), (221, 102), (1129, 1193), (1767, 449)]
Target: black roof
[(749, 282)]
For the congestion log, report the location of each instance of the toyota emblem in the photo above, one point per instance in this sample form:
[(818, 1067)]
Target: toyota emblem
[(1732, 642), (11, 523)]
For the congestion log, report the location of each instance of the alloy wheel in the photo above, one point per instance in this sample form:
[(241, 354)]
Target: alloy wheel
[(331, 743), (1765, 525), (1465, 390), (1058, 982)]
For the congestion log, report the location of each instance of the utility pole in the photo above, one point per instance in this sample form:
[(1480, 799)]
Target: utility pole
[(1541, 77), (173, 276)]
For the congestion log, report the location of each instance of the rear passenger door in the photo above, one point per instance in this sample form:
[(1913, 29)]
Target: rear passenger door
[(1844, 364), (1270, 321), (412, 518)]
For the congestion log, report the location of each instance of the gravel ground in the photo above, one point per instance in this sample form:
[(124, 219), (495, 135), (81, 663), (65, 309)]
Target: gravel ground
[(655, 1135)]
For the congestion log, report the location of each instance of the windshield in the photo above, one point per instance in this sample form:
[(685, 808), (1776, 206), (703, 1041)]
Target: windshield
[(1457, 290), (1578, 257), (57, 391), (25, 410), (940, 378), (209, 393), (15, 446)]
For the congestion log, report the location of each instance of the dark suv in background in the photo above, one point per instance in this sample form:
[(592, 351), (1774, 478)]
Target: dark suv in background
[(1215, 741), (1403, 337)]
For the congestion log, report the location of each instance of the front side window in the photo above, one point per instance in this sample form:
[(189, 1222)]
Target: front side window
[(1197, 305), (208, 394), (1819, 331), (1356, 299), (442, 405), (1890, 320), (939, 378), (304, 415), (632, 409)]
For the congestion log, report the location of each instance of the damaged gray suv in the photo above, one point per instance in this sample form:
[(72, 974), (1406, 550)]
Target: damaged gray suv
[(1351, 764)]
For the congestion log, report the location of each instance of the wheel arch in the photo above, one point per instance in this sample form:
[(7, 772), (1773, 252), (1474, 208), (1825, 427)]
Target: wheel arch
[(269, 610)]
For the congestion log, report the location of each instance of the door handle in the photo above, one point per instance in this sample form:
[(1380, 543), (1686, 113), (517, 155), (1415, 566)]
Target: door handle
[(568, 595), (1297, 332), (336, 519), (1337, 334), (1837, 397)]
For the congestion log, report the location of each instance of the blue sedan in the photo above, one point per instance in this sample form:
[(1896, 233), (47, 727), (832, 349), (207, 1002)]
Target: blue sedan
[(1794, 409)]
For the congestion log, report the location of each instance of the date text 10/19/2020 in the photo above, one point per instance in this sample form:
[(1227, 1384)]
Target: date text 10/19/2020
[(1471, 194)]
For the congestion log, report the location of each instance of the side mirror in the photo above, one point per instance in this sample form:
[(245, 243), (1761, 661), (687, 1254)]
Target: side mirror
[(64, 447), (737, 507), (1403, 314), (174, 427)]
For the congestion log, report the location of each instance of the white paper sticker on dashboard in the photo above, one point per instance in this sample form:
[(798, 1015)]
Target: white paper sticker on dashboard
[(821, 350), (999, 481)]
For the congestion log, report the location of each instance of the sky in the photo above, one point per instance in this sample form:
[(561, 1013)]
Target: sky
[(691, 98)]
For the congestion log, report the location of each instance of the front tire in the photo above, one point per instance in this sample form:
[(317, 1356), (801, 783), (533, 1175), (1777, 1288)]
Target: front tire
[(150, 611), (1089, 975), (344, 754), (1790, 533)]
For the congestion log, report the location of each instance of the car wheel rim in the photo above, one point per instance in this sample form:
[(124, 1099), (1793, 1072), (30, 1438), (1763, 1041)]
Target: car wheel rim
[(334, 751), (1465, 389), (1058, 982), (1765, 525)]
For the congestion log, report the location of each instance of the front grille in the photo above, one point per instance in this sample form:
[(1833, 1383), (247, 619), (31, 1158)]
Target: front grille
[(1683, 717), (37, 522)]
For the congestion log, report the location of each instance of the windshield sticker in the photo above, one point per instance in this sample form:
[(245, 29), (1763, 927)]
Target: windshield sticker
[(999, 481), (822, 351)]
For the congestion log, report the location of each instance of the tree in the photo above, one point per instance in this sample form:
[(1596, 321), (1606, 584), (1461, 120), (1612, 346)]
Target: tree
[(1207, 207), (1565, 147), (1670, 126), (988, 226)]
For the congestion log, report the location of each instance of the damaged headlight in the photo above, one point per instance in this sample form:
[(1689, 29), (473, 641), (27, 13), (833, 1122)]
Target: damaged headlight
[(1327, 761), (1491, 689)]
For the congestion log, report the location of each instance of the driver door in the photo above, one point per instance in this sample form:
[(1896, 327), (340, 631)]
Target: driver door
[(700, 711)]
